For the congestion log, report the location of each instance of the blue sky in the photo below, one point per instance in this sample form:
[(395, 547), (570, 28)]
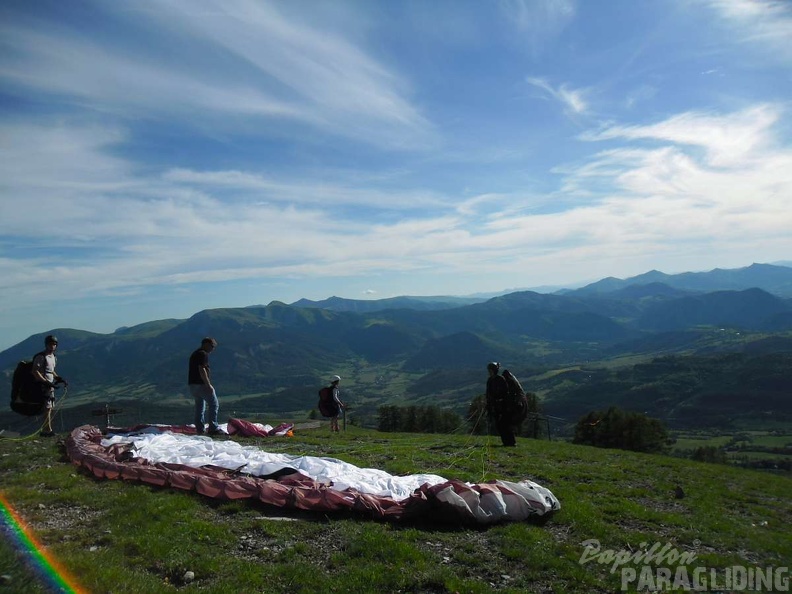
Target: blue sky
[(160, 157)]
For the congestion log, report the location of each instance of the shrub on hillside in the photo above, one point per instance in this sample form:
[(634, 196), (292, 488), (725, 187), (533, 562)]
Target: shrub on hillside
[(625, 430)]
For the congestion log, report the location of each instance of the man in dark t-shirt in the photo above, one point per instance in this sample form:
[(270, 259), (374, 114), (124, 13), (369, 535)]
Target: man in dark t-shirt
[(201, 388)]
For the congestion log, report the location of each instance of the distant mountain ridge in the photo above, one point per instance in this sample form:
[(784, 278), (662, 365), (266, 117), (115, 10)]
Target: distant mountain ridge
[(368, 305), (771, 278), (274, 357), (751, 308)]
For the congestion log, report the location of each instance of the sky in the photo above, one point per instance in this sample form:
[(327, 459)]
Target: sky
[(161, 157)]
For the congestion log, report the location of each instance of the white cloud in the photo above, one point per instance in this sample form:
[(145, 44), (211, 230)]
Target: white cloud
[(348, 89), (661, 204), (727, 140), (52, 153), (270, 189), (228, 60), (767, 23), (102, 227), (573, 100), (115, 230), (63, 64)]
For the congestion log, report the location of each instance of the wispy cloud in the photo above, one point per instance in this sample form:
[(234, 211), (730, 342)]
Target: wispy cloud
[(673, 194), (111, 227), (539, 21), (108, 80), (727, 140), (269, 67), (647, 204), (183, 227), (264, 189), (332, 75), (573, 100), (765, 22)]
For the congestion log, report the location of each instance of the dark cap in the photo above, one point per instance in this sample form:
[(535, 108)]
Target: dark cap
[(209, 340), (51, 338), (493, 366)]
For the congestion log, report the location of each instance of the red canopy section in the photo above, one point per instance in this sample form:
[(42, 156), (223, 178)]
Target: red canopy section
[(247, 429)]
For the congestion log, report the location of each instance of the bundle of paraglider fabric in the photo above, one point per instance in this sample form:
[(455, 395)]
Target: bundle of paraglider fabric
[(228, 470)]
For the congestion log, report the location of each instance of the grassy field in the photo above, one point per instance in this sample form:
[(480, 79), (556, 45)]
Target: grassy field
[(113, 536), (741, 447)]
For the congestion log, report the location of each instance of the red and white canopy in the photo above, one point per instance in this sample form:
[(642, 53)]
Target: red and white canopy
[(229, 470)]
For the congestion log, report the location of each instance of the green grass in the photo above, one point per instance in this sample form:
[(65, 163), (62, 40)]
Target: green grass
[(120, 537)]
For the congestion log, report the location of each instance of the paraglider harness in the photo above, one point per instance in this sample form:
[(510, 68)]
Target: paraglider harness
[(28, 396), (516, 403), (328, 407)]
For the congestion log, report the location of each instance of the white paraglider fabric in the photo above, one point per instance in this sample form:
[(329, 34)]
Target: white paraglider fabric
[(197, 451)]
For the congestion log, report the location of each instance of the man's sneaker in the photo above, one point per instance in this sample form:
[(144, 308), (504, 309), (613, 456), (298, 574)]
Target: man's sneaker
[(217, 431)]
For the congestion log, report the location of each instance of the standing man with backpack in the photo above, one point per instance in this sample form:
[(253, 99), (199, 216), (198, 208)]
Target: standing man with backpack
[(43, 370), (201, 387), (330, 404), (498, 408)]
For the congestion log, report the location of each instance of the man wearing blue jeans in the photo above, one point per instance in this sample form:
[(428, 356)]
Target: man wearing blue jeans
[(201, 387)]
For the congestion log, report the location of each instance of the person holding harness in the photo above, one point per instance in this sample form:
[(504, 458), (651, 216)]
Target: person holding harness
[(44, 375), (330, 404)]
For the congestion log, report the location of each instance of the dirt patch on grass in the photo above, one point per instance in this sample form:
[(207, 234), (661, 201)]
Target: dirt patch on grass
[(62, 518)]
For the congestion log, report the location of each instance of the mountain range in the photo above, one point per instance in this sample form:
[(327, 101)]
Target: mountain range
[(272, 359)]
